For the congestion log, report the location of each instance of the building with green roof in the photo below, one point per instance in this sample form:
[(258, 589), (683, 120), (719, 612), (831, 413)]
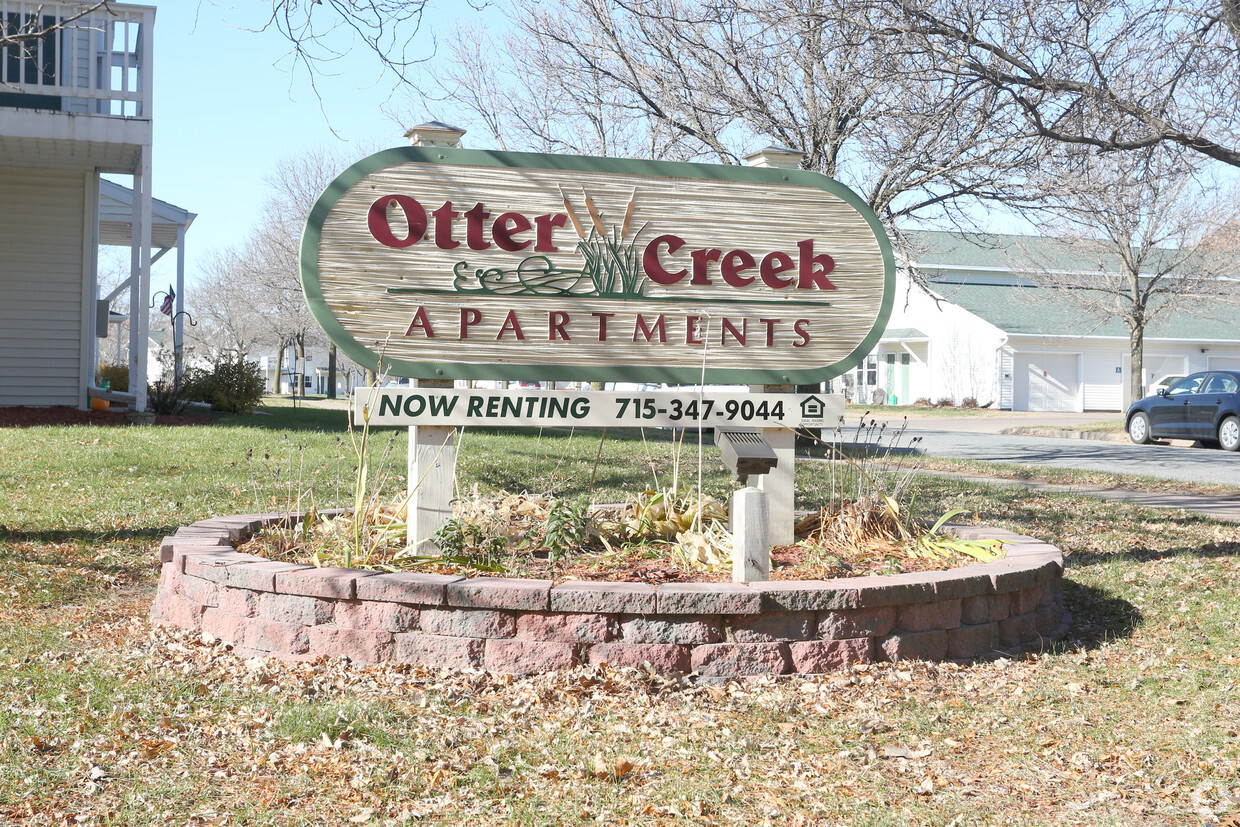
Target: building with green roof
[(991, 329)]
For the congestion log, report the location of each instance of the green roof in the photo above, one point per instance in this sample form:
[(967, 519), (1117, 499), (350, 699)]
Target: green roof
[(904, 333), (1025, 253), (1048, 312)]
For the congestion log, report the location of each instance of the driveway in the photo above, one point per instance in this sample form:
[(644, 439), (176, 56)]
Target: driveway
[(978, 438)]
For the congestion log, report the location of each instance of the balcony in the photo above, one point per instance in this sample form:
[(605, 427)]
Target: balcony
[(75, 85)]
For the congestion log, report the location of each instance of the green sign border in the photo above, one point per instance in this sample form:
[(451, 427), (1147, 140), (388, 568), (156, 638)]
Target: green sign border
[(311, 238)]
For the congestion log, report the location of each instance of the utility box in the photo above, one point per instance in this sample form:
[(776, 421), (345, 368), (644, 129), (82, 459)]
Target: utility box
[(745, 452)]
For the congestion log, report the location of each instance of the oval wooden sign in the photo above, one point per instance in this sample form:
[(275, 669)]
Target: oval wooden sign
[(468, 264)]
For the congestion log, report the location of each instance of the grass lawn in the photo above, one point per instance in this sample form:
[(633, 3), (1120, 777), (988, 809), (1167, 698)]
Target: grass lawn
[(103, 720)]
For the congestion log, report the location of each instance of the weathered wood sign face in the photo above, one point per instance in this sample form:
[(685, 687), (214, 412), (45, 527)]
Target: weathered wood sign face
[(450, 263)]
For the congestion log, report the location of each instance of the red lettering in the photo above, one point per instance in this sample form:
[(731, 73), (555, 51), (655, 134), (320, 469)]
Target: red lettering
[(654, 268), (543, 225), (507, 226), (701, 258), (799, 327), (381, 230), (469, 318), (814, 268), (556, 320), (510, 325), (602, 324), (474, 217), (443, 227), (660, 327), (738, 335), (733, 263), (770, 330), (420, 320), (772, 265)]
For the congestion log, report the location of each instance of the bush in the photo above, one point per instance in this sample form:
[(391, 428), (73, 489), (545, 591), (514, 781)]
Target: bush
[(923, 402), (969, 402), (235, 387), (163, 397), (945, 402), (116, 375)]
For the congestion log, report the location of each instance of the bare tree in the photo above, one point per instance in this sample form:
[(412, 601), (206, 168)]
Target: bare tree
[(1110, 74), (684, 79), (1141, 222), (22, 33), (231, 307)]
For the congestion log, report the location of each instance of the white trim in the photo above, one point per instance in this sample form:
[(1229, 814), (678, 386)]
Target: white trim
[(88, 345)]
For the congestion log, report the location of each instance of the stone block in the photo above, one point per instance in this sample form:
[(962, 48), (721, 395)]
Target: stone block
[(812, 656), (958, 583), (438, 651), (226, 627), (740, 659), (802, 595), (358, 645), (687, 629), (501, 593), (1048, 619), (202, 592), (892, 590), (1018, 630), (1012, 575), (478, 623), (407, 587), (566, 627), (168, 545), (240, 602), (528, 657), (986, 608), (294, 609), (331, 583), (707, 599), (210, 564), (664, 658), (259, 577), (169, 578), (387, 617), (972, 641), (171, 609), (848, 624), (928, 617), (585, 596), (1026, 601), (914, 646), (770, 627), (239, 528), (274, 636)]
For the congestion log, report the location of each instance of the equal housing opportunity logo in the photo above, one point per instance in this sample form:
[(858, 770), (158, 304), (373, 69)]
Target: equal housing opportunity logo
[(469, 264)]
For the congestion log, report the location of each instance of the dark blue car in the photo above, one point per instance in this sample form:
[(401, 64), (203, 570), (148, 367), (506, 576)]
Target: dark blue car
[(1202, 406)]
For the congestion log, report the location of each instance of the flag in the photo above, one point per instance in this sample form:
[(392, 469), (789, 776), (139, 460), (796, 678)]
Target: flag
[(166, 307)]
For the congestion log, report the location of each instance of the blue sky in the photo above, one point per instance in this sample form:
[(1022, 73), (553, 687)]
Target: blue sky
[(230, 104)]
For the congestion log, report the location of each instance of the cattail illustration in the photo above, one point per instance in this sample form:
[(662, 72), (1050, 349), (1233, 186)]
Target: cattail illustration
[(628, 215), (594, 216), (572, 216)]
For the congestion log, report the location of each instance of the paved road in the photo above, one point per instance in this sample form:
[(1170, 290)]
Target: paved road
[(1178, 461)]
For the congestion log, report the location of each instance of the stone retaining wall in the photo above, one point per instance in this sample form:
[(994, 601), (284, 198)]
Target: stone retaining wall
[(522, 626)]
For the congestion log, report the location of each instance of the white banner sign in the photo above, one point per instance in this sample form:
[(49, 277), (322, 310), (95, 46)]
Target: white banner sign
[(540, 408)]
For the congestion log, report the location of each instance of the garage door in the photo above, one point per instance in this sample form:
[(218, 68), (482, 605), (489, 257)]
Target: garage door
[(1223, 363), (1047, 382), (1156, 367)]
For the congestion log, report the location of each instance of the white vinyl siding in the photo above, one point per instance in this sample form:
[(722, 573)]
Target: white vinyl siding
[(41, 275)]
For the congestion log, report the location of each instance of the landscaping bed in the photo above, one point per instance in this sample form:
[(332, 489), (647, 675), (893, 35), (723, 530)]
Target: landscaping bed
[(529, 626)]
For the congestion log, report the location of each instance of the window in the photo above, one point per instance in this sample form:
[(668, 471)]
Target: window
[(1189, 384), (1220, 383)]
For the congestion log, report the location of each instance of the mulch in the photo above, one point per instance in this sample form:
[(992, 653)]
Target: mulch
[(26, 417)]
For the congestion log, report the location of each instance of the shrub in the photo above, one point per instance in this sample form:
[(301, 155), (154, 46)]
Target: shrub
[(969, 402), (945, 402), (923, 402), (163, 397), (116, 375), (235, 387)]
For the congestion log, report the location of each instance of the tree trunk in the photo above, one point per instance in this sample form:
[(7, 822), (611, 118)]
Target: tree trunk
[(1136, 382), (279, 369), (331, 372), (301, 367)]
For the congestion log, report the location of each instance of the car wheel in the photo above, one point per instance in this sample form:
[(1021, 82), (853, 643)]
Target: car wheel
[(1139, 428), (1229, 434)]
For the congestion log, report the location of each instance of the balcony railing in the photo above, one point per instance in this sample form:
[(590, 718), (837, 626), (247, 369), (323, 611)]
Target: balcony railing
[(88, 58)]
